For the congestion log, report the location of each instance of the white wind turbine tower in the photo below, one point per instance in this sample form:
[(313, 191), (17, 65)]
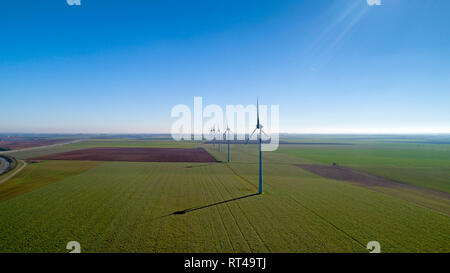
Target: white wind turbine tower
[(259, 127), (213, 133), (218, 133), (227, 138)]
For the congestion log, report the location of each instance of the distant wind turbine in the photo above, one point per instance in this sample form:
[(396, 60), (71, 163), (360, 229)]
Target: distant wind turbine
[(213, 133), (218, 132)]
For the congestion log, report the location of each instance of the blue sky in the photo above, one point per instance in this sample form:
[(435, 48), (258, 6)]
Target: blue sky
[(120, 66)]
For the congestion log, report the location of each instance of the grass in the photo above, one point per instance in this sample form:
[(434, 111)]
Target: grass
[(38, 175), (129, 207), (425, 165)]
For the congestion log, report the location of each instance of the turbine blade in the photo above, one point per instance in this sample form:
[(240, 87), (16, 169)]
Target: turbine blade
[(252, 134), (265, 134)]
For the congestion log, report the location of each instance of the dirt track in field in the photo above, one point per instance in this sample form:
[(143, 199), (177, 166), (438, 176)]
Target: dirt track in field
[(134, 155), (366, 180)]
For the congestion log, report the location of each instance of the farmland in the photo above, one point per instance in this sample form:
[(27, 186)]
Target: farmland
[(134, 155), (15, 143), (37, 175), (426, 165), (212, 207), (103, 143)]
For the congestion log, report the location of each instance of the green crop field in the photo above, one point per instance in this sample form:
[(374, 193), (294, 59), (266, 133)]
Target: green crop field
[(211, 207), (426, 165), (38, 175)]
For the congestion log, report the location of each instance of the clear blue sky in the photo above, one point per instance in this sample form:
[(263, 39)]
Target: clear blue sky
[(120, 66)]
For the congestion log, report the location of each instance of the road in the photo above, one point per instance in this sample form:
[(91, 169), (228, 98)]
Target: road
[(4, 165), (14, 173)]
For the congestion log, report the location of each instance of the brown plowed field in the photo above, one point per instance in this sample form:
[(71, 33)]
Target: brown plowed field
[(134, 155), (363, 179)]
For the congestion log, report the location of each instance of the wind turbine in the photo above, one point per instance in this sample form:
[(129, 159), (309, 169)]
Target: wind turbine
[(218, 132), (227, 137), (213, 132), (259, 127)]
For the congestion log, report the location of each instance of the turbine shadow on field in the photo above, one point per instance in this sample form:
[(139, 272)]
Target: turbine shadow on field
[(212, 205)]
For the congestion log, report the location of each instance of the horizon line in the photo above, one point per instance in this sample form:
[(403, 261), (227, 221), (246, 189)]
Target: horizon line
[(281, 133)]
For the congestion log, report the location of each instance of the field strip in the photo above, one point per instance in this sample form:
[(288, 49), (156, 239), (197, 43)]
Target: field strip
[(221, 235), (159, 230), (229, 204), (41, 147), (254, 229), (232, 215), (384, 186), (328, 222), (124, 202), (249, 222), (221, 215), (360, 178), (133, 154), (14, 173), (240, 178)]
